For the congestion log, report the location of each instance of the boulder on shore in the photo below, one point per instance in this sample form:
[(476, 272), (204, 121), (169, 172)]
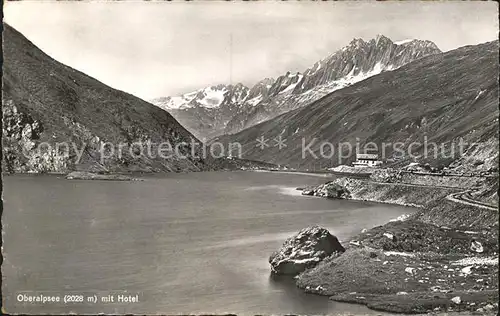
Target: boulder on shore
[(304, 250)]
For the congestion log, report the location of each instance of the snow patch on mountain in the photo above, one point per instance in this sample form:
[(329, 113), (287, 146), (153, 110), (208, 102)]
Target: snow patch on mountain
[(255, 101), (175, 103), (350, 78), (293, 85), (178, 102), (212, 97), (404, 41)]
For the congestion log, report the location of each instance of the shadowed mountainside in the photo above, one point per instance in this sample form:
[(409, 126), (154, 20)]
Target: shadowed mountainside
[(443, 97), (46, 101)]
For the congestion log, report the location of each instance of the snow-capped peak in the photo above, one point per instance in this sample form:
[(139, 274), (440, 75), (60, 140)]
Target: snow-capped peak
[(357, 42), (174, 103), (211, 97), (230, 108)]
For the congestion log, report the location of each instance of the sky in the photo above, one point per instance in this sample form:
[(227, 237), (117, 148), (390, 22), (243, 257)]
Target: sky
[(154, 48)]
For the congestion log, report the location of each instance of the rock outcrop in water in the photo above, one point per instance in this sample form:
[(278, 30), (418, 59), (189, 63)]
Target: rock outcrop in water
[(330, 190), (81, 175), (304, 251)]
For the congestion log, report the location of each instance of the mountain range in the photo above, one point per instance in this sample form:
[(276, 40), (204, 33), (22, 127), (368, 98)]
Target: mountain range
[(227, 109), (440, 98), (376, 91)]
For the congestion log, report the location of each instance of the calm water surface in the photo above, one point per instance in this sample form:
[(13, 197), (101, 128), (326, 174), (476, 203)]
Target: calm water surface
[(186, 243)]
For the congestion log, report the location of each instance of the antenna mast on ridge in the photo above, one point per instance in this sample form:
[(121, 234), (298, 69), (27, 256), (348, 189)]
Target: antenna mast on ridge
[(230, 58)]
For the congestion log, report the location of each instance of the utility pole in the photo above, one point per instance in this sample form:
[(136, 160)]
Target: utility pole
[(231, 58)]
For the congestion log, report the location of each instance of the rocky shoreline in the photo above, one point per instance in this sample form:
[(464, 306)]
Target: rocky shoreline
[(81, 175), (441, 259), (219, 164)]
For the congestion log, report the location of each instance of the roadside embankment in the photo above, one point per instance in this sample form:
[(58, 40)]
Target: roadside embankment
[(392, 193), (452, 214), (488, 193), (390, 175), (437, 203)]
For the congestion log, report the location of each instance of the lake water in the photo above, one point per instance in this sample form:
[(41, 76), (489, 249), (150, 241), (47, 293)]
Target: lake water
[(185, 243)]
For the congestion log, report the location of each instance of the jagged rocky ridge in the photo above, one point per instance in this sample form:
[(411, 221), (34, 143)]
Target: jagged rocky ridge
[(441, 98), (227, 109), (47, 102)]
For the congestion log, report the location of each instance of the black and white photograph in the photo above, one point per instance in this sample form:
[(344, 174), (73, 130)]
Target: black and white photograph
[(250, 157)]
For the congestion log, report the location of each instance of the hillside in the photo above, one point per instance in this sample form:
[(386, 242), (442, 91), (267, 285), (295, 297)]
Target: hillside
[(45, 101), (227, 109), (444, 97)]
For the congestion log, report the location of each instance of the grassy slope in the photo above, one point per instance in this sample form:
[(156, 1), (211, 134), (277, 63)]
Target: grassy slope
[(437, 96), (433, 239), (370, 274), (379, 280)]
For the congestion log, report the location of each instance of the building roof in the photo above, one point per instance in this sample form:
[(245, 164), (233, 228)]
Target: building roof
[(366, 156)]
